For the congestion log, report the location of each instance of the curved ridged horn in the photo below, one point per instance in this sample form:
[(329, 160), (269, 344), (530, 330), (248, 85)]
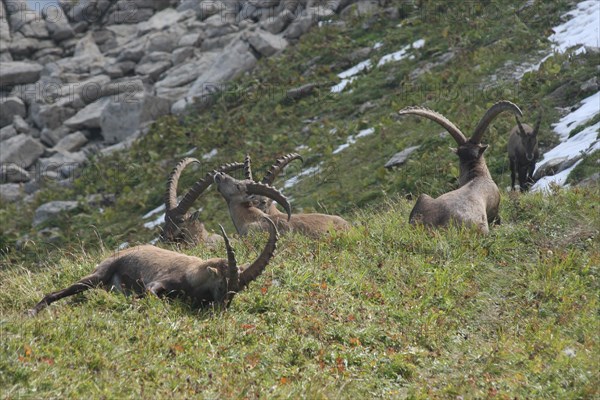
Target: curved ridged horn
[(270, 192), (232, 269), (171, 192), (537, 125), (247, 167), (279, 165), (201, 185), (439, 118), (489, 116), (521, 129), (252, 271)]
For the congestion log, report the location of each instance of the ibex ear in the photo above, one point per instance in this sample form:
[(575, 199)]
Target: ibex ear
[(482, 148), (213, 271), (454, 150), (195, 215)]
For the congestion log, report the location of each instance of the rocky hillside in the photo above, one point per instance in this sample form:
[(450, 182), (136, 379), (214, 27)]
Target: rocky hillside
[(84, 77), (324, 79)]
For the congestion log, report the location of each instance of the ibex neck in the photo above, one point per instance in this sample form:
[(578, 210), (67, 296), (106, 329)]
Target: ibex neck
[(473, 169), (243, 214)]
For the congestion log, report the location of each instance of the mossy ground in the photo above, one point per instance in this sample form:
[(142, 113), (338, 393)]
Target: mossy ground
[(387, 310)]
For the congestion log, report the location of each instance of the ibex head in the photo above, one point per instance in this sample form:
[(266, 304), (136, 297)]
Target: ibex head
[(181, 225), (469, 151), (239, 195), (264, 203), (529, 137)]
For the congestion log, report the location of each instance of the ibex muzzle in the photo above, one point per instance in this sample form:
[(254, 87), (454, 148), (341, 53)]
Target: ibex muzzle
[(477, 200), (167, 273), (523, 153)]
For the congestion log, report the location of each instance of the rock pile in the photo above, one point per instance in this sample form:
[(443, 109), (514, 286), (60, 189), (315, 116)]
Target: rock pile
[(85, 76)]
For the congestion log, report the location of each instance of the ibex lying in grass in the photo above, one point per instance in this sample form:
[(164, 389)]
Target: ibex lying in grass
[(239, 195), (523, 153), (181, 226), (167, 273), (312, 224), (477, 199)]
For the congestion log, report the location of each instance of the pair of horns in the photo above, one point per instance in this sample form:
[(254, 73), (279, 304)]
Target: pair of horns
[(456, 133), (275, 169), (199, 187), (239, 278), (535, 129)]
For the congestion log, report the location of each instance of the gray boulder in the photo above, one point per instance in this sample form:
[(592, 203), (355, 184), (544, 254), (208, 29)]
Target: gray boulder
[(89, 116), (183, 74), (51, 210), (163, 20), (53, 114), (19, 72), (21, 150), (11, 192), (57, 24), (7, 132), (72, 142), (401, 157), (266, 43), (21, 126), (153, 69), (299, 27), (12, 173), (234, 60), (121, 120), (9, 107), (50, 137)]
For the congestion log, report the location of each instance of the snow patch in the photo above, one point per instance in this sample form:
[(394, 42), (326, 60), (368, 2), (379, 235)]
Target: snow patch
[(400, 54), (365, 132), (210, 154), (155, 211), (545, 183), (295, 179), (349, 75), (590, 106), (582, 29), (352, 139), (155, 222), (585, 141)]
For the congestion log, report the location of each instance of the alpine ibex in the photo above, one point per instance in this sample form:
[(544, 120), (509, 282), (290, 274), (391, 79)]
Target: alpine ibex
[(167, 273), (523, 153), (477, 199), (312, 224), (239, 195), (181, 226)]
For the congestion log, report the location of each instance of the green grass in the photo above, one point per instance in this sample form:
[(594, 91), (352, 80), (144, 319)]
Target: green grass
[(387, 310)]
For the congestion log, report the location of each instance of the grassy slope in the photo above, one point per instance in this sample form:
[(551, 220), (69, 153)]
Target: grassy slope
[(387, 310), (375, 312)]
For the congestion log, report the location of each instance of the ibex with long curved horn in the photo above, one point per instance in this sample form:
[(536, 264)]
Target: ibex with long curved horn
[(523, 153), (168, 273), (240, 198), (477, 199), (310, 224), (181, 226)]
